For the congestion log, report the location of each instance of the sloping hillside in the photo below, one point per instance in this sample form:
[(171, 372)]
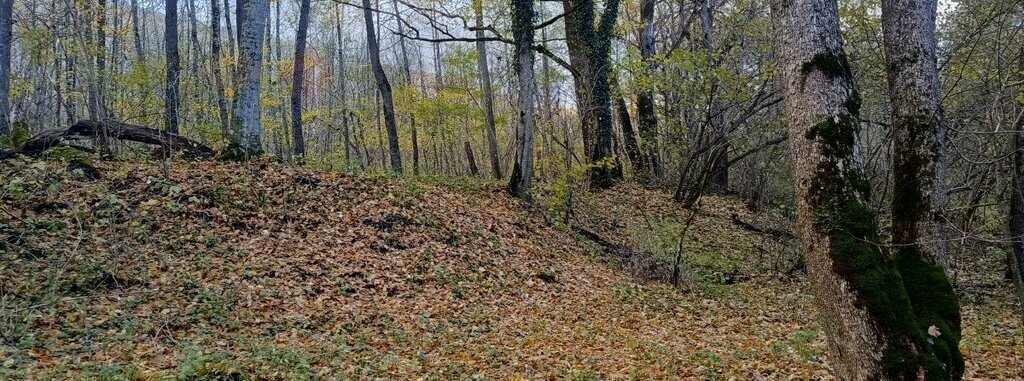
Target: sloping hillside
[(257, 271)]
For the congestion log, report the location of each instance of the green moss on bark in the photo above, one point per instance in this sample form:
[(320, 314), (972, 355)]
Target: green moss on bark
[(935, 304), (839, 204), (832, 64)]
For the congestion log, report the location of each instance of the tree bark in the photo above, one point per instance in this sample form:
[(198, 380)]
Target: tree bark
[(485, 87), (522, 29), (407, 74), (646, 115), (589, 50), (218, 76), (718, 154), (6, 27), (252, 20), (299, 79), (140, 55), (473, 169), (384, 87), (342, 84), (630, 144), (1017, 200), (172, 101), (860, 296), (919, 189)]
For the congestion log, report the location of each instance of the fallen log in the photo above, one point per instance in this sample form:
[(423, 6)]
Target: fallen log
[(94, 129)]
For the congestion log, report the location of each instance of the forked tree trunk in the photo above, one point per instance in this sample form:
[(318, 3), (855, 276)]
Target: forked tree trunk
[(589, 47), (384, 87), (861, 298), (522, 29), (919, 190)]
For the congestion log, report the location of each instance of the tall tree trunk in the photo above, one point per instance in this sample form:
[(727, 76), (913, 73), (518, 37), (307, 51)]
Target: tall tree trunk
[(277, 82), (383, 86), (101, 60), (193, 33), (861, 298), (218, 76), (172, 101), (919, 189), (342, 91), (485, 86), (140, 56), (522, 29), (252, 20), (1017, 200), (407, 74), (231, 32), (299, 79), (629, 142), (718, 154), (589, 50), (6, 24), (646, 115)]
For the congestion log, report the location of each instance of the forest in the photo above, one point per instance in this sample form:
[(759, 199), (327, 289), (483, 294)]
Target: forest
[(515, 189)]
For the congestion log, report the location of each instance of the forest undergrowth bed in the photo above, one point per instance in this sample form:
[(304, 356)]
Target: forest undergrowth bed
[(205, 270)]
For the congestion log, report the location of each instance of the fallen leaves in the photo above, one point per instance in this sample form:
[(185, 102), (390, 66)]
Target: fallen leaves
[(257, 269)]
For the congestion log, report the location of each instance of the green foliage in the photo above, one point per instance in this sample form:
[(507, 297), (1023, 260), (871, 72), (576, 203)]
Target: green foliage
[(215, 366), (235, 152), (19, 135), (76, 161)]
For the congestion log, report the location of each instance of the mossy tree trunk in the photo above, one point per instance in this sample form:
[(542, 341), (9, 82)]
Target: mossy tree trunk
[(864, 309), (918, 233), (646, 116), (589, 47)]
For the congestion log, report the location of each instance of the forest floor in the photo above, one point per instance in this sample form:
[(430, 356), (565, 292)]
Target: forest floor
[(257, 271)]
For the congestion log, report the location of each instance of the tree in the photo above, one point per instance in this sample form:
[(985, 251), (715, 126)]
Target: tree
[(407, 82), (218, 76), (136, 34), (485, 86), (252, 20), (646, 115), (172, 98), (383, 86), (589, 50), (299, 79), (6, 24), (522, 29), (1017, 198), (919, 190), (860, 296)]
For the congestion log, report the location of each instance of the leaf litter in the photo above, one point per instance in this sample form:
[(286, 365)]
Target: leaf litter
[(260, 271)]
